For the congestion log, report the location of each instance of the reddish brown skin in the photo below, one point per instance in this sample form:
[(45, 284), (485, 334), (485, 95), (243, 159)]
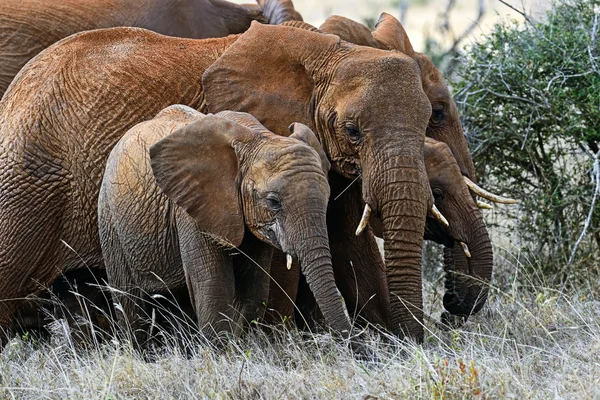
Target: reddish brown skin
[(52, 170), (73, 102), (467, 279), (389, 34), (29, 26), (464, 295)]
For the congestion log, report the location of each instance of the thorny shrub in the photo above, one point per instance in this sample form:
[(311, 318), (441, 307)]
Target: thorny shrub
[(529, 94)]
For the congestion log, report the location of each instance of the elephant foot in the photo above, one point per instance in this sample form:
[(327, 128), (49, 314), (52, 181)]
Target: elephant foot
[(451, 321)]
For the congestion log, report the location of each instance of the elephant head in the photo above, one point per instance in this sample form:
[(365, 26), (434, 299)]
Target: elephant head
[(467, 276), (389, 34), (369, 111), (232, 175)]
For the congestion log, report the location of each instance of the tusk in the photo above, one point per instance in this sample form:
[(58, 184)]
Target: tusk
[(487, 195), (364, 220), (438, 215), (483, 205), (466, 249), (289, 261)]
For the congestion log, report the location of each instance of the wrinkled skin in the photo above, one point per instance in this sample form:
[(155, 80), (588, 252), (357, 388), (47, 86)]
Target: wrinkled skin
[(70, 105), (445, 127), (467, 278), (29, 26), (59, 120), (365, 290), (167, 165), (389, 34)]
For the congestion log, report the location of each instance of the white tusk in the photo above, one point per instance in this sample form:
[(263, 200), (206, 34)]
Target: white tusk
[(438, 215), (466, 249), (483, 205), (289, 261), (487, 195), (364, 220)]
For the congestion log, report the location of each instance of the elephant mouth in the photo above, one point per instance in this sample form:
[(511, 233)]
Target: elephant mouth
[(269, 232), (436, 232), (348, 167)]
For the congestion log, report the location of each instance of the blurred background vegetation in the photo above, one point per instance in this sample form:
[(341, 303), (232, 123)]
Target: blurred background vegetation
[(529, 97)]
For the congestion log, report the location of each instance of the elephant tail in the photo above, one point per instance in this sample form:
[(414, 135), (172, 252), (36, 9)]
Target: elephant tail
[(279, 11)]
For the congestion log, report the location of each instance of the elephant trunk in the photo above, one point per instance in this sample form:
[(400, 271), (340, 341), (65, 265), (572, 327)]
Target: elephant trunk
[(467, 279), (400, 194), (315, 264)]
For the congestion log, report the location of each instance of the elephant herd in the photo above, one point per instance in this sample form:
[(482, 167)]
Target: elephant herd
[(235, 158)]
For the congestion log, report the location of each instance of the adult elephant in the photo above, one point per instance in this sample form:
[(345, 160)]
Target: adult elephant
[(70, 105), (467, 279), (29, 26)]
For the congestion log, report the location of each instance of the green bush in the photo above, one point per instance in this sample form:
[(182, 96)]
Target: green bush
[(530, 97)]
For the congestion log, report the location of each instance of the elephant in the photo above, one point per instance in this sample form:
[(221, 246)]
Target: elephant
[(389, 34), (175, 187), (362, 288), (29, 26), (70, 105), (463, 296)]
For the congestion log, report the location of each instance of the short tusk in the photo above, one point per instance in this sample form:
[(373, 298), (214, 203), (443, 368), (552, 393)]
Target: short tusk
[(483, 205), (438, 215), (466, 249), (364, 220), (487, 195), (289, 261)]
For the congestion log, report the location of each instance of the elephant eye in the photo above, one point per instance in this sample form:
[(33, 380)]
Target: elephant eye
[(438, 115), (353, 132), (273, 202), (438, 195)]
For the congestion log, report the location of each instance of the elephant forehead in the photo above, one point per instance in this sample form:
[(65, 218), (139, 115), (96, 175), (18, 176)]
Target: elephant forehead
[(439, 159), (429, 72), (437, 91), (288, 155), (390, 82), (300, 183), (373, 64), (285, 159)]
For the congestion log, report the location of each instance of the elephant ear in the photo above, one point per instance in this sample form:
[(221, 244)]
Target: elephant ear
[(243, 119), (390, 32), (305, 134), (279, 11), (270, 72), (351, 31), (197, 168)]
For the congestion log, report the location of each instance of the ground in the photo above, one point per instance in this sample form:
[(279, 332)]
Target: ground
[(530, 341)]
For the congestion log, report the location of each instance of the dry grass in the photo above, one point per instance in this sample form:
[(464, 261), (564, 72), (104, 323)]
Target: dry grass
[(529, 342)]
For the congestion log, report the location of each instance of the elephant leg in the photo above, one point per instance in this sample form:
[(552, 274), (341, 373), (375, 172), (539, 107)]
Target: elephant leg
[(252, 271), (134, 312), (209, 277), (283, 288), (92, 302), (360, 272), (32, 254), (132, 307)]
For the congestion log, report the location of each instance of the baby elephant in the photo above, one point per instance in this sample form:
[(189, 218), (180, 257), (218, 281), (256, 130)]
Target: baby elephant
[(181, 190)]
